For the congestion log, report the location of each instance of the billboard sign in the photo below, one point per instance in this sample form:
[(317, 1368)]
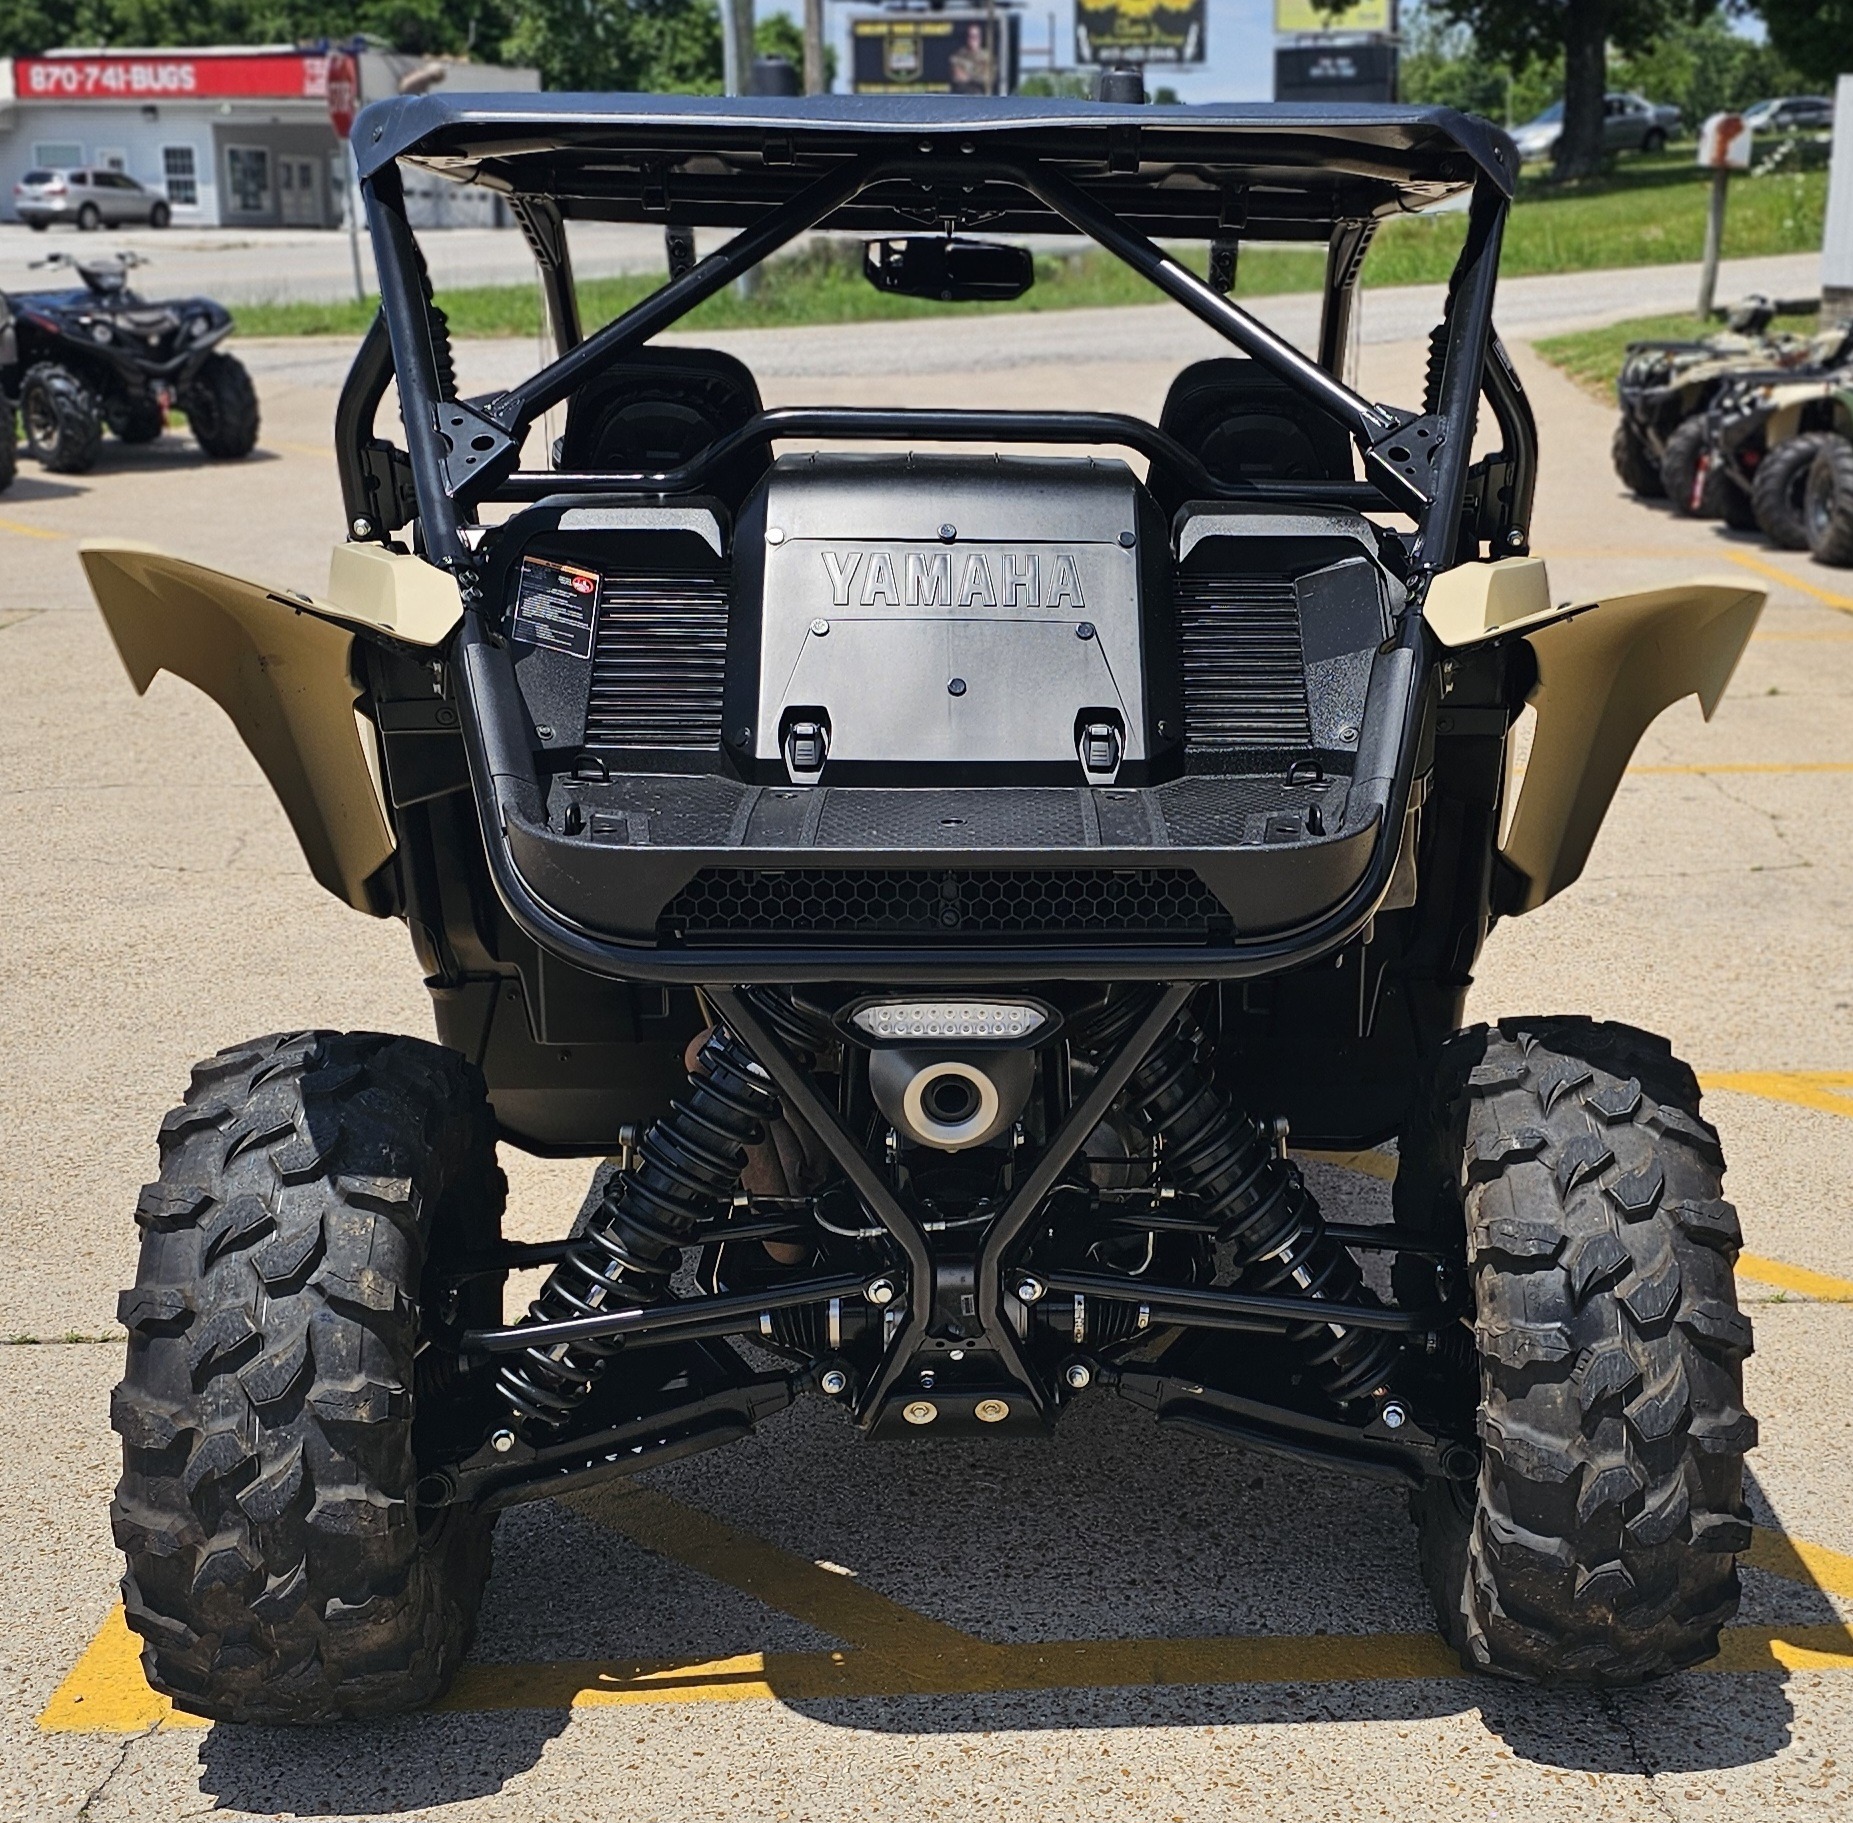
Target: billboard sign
[(172, 76), (1139, 31), (934, 54), (1298, 18), (1335, 72)]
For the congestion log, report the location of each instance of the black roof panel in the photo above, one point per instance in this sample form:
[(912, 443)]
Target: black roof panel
[(1289, 169)]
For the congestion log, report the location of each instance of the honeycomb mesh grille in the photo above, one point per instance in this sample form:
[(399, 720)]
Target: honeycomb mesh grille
[(660, 662), (871, 904), (1243, 667)]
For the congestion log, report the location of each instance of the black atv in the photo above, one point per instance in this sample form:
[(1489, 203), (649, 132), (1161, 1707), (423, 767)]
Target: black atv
[(73, 362), (952, 884)]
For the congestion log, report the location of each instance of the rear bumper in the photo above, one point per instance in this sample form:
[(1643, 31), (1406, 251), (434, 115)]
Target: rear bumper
[(614, 902)]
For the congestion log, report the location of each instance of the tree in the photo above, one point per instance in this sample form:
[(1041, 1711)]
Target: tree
[(423, 26), (1816, 36), (1581, 31), (620, 44), (1522, 33), (1708, 68)]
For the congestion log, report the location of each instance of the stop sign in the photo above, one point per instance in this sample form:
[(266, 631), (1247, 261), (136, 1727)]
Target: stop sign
[(343, 91)]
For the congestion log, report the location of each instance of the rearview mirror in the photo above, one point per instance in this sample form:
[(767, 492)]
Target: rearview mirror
[(930, 266)]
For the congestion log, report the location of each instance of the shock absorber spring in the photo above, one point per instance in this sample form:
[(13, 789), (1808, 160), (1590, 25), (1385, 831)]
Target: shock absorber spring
[(1267, 1224), (688, 1170)]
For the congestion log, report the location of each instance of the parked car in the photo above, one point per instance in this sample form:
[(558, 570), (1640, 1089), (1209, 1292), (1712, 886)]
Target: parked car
[(1792, 114), (88, 196), (1630, 123)]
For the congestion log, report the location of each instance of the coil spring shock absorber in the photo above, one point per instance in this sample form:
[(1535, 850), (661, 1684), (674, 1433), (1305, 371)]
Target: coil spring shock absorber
[(688, 1170), (1263, 1212)]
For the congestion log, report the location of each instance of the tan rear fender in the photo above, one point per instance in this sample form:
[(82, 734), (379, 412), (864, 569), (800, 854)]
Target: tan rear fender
[(280, 665), (1606, 669)]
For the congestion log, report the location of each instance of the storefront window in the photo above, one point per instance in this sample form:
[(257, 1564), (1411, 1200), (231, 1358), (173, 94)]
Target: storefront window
[(59, 154), (247, 170), (182, 175)]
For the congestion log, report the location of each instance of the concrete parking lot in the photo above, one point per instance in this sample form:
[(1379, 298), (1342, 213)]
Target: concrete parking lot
[(1119, 1622)]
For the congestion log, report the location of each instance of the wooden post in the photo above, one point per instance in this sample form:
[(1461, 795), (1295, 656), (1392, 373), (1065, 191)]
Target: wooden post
[(1714, 241), (814, 47)]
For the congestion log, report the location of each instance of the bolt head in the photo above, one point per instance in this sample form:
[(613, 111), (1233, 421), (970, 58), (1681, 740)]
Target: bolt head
[(991, 1411), (1029, 1290), (1079, 1375), (927, 1377), (835, 1381), (502, 1442), (362, 527), (820, 627), (1394, 1416), (921, 1411), (881, 1291)]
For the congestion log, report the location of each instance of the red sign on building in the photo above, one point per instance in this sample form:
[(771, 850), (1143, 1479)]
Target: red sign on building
[(268, 76)]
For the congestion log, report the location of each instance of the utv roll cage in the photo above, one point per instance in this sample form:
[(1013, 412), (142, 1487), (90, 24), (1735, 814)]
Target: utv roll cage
[(1116, 174)]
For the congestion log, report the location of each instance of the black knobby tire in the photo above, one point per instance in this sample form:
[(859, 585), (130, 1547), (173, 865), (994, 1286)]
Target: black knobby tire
[(136, 420), (1827, 504), (1780, 489), (1686, 448), (61, 419), (1634, 463), (1598, 1545), (221, 406), (291, 1373), (9, 445)]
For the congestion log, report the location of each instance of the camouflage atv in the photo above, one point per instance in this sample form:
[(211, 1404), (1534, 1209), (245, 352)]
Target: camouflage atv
[(1761, 438), (1665, 384)]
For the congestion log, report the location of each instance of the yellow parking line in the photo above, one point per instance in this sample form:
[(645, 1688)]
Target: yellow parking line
[(106, 1692), (1795, 1560), (1776, 573), (29, 531), (105, 1695), (1819, 1286), (1826, 1091), (897, 1652)]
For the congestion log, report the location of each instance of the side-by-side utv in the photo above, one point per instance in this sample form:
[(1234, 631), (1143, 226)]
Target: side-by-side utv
[(952, 881)]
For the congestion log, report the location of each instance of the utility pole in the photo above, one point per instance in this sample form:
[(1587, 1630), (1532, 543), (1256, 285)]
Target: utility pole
[(736, 45), (814, 47)]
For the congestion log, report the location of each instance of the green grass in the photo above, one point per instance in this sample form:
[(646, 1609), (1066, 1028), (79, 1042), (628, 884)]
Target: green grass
[(1648, 211), (1593, 357)]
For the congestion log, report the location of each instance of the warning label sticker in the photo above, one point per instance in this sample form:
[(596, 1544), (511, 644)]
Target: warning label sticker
[(555, 607)]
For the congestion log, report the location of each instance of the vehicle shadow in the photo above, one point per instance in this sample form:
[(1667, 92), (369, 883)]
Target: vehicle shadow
[(29, 485), (1113, 1532), (1012, 1544)]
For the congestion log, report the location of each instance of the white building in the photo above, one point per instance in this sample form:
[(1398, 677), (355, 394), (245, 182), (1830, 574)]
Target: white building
[(233, 136)]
